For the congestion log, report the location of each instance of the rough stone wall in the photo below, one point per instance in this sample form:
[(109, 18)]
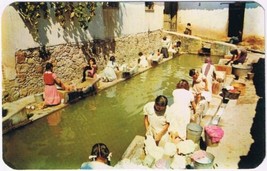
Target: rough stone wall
[(69, 59)]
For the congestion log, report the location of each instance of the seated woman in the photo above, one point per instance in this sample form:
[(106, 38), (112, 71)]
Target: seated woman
[(99, 159), (90, 70), (200, 86), (188, 29), (51, 95), (110, 70), (142, 61)]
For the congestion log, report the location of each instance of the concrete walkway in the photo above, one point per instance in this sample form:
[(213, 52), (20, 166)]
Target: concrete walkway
[(235, 120)]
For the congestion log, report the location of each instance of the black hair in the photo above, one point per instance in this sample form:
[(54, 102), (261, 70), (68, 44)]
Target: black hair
[(93, 59), (183, 84), (112, 58), (234, 52), (49, 66), (192, 72), (161, 100), (101, 150)]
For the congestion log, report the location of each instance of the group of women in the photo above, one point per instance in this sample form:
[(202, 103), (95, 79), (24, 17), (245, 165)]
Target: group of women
[(165, 122), (51, 81)]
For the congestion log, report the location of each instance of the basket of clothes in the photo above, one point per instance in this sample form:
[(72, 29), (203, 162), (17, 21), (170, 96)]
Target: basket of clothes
[(231, 93), (213, 135)]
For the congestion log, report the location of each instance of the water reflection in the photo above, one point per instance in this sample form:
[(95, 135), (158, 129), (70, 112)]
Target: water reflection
[(63, 140)]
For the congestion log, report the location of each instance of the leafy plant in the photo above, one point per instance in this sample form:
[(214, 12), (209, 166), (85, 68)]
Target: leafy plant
[(31, 12)]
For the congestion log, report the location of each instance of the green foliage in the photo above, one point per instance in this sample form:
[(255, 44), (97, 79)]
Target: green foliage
[(31, 12)]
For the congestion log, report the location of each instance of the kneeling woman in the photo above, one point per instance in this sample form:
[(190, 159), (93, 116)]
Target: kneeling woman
[(51, 95)]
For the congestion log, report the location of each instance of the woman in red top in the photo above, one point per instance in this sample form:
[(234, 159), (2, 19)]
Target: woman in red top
[(51, 95)]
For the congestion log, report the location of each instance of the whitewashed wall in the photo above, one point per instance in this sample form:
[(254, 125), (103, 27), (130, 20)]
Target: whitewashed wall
[(254, 21), (131, 18), (204, 23), (210, 19)]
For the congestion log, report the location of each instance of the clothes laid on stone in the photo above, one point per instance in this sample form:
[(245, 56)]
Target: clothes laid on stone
[(109, 71), (95, 165), (214, 132), (51, 95)]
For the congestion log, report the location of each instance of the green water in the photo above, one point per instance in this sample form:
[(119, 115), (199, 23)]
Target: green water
[(63, 140)]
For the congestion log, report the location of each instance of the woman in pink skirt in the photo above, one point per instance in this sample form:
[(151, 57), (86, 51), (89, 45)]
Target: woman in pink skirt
[(51, 95)]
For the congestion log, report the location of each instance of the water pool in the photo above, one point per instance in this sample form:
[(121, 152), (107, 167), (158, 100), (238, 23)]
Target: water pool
[(63, 140)]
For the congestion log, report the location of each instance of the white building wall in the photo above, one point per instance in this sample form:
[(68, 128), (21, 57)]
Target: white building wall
[(254, 22), (136, 20), (131, 19), (204, 22)]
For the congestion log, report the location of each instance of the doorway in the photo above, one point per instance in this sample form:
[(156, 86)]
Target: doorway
[(170, 16), (236, 19)]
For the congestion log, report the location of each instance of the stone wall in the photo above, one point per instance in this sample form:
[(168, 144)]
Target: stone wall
[(68, 60)]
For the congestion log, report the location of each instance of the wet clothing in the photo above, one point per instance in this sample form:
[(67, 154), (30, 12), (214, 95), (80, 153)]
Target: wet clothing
[(51, 95)]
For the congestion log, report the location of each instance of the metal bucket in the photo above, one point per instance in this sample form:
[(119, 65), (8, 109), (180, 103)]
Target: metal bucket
[(193, 132), (204, 163), (241, 70)]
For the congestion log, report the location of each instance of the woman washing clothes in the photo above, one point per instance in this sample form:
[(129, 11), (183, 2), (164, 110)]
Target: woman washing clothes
[(239, 55), (90, 70), (156, 119), (110, 70), (208, 69), (183, 103), (200, 86), (51, 95), (142, 61)]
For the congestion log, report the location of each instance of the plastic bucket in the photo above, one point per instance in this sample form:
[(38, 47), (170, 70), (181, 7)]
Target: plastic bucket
[(204, 163), (193, 132), (209, 142)]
